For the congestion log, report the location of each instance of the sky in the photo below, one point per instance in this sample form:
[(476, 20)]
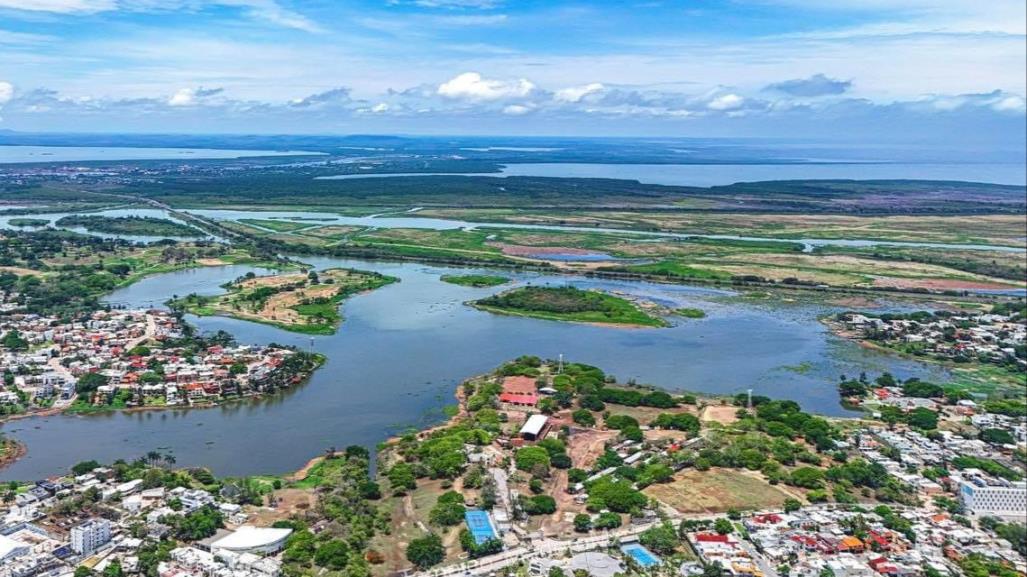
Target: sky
[(865, 69)]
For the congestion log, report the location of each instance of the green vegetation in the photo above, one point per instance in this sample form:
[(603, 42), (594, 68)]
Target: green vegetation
[(129, 225), (475, 280), (426, 551), (275, 225), (569, 304), (690, 313), (28, 222), (303, 303)]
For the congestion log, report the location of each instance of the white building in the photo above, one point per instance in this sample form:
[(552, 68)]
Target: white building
[(246, 539), (11, 548), (1007, 500), (89, 536)]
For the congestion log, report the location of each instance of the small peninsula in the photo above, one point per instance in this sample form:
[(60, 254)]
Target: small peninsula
[(299, 302)]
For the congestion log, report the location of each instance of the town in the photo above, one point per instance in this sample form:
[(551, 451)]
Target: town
[(124, 359), (997, 337), (551, 468)]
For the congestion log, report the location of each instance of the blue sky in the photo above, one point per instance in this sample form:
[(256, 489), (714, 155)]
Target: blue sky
[(896, 68)]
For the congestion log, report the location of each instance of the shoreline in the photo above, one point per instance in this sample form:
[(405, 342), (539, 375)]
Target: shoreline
[(50, 412), (839, 331)]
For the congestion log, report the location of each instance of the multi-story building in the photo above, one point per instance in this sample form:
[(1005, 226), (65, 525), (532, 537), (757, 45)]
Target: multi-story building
[(89, 536), (983, 497)]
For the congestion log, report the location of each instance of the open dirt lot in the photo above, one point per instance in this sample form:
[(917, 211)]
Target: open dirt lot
[(718, 490), (724, 414)]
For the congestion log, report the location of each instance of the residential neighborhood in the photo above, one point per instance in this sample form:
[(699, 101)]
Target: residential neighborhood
[(125, 359)]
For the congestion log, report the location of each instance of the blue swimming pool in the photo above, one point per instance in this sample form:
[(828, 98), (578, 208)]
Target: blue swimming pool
[(641, 555), (480, 525)]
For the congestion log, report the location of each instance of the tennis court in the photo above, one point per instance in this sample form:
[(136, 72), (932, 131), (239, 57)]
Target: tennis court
[(480, 526), (641, 555)]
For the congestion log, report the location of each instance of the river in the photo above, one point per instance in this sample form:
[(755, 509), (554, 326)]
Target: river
[(402, 350), (410, 220)]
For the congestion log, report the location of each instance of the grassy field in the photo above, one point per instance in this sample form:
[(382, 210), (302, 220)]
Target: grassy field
[(690, 313), (275, 225), (716, 491), (569, 304), (475, 280)]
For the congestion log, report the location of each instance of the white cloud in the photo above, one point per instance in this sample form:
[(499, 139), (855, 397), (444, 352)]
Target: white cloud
[(191, 96), (726, 102), (576, 93), (380, 108), (471, 86), (269, 11), (517, 109), (6, 92)]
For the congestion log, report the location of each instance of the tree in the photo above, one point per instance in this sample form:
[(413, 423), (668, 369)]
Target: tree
[(723, 526), (922, 418), (662, 539), (538, 505), (13, 341), (607, 520), (332, 555), (426, 551), (997, 437), (791, 505), (401, 477), (449, 510), (113, 569), (84, 467), (527, 458), (582, 523), (584, 418), (807, 477), (89, 382), (555, 571)]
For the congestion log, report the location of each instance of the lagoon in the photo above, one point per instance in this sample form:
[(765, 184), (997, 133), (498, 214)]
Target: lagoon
[(402, 350), (11, 154), (724, 174)]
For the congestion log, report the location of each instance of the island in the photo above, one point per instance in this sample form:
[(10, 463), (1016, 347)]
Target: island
[(475, 280), (28, 222), (690, 313), (299, 302), (569, 304), (131, 225)]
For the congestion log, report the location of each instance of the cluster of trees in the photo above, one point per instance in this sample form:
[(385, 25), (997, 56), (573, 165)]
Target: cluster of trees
[(633, 398), (198, 524), (448, 510), (549, 299), (347, 502), (989, 466), (1015, 533), (137, 225), (680, 422)]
